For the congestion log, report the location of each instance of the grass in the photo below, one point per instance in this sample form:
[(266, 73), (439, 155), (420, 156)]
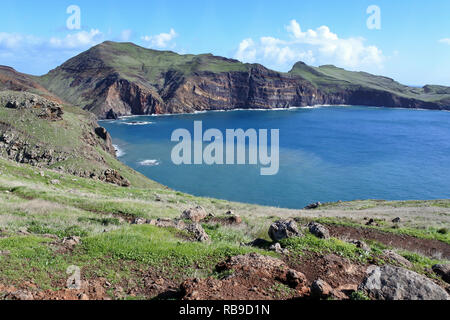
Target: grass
[(310, 243), (119, 252)]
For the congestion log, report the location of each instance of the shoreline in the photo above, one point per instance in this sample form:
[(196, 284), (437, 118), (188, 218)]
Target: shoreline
[(319, 106)]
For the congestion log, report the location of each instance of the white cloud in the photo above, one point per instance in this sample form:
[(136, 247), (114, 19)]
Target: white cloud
[(445, 41), (36, 55), (81, 39), (125, 35), (162, 40), (320, 46)]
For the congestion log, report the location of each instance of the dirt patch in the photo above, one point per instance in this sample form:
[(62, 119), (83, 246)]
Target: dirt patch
[(338, 272), (248, 277), (428, 247)]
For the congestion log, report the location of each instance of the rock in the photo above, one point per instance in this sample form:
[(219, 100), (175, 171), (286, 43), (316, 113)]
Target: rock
[(313, 206), (168, 223), (360, 244), (393, 283), (397, 259), (101, 132), (370, 222), (139, 221), (83, 297), (278, 249), (295, 278), (396, 220), (112, 176), (55, 182), (198, 232), (196, 214), (71, 241), (443, 270), (321, 289), (111, 115), (20, 295), (229, 212), (319, 230), (234, 219), (283, 229)]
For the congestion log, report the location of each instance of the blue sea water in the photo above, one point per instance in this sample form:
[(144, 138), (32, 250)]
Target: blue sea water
[(326, 154)]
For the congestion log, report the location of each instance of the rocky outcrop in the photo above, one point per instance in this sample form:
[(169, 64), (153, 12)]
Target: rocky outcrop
[(284, 229), (393, 283), (41, 107)]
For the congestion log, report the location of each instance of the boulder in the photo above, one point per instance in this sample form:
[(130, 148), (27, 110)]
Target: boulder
[(198, 232), (393, 283), (397, 259), (196, 214), (313, 206), (443, 270), (321, 289), (283, 229), (319, 230)]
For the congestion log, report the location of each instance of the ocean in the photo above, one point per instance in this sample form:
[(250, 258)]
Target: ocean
[(326, 154)]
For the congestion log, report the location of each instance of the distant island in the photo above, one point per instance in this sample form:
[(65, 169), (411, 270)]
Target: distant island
[(120, 79)]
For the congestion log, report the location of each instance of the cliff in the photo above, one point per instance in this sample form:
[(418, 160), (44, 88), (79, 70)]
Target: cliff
[(117, 79)]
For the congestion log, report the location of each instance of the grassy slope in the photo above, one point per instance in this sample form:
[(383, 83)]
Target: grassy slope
[(113, 249), (332, 78)]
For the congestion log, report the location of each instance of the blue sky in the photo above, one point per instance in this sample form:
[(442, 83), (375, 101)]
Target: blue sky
[(412, 46)]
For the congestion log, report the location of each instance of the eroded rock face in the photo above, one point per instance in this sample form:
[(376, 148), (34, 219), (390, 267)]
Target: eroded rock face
[(284, 229), (393, 283)]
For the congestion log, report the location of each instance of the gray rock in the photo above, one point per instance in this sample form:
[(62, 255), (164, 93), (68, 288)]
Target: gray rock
[(397, 259), (319, 230), (443, 270), (283, 229), (321, 289), (198, 232), (278, 249), (196, 214), (313, 206), (393, 283)]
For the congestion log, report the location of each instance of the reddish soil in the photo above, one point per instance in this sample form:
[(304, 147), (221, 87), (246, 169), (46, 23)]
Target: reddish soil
[(428, 247)]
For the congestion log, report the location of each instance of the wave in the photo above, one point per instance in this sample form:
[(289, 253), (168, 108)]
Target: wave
[(119, 152), (137, 123), (149, 163)]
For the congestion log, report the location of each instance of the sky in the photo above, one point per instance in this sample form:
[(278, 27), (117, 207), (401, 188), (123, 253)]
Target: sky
[(408, 40)]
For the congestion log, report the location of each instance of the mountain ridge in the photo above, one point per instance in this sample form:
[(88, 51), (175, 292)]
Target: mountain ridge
[(120, 79)]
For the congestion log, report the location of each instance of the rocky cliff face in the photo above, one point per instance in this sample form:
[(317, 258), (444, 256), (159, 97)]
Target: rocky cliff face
[(122, 79)]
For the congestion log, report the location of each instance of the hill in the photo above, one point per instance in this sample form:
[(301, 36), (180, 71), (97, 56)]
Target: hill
[(116, 79)]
